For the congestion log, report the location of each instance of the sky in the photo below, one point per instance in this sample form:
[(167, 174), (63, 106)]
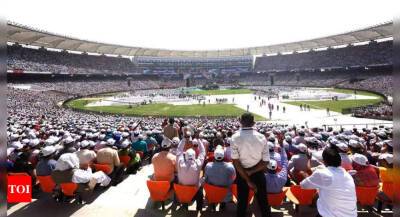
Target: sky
[(199, 24)]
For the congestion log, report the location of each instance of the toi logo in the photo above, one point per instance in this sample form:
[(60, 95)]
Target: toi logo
[(19, 189)]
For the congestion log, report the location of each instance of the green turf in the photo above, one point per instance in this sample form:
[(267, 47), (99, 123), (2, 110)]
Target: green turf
[(163, 109), (79, 103), (359, 92), (221, 92), (336, 106)]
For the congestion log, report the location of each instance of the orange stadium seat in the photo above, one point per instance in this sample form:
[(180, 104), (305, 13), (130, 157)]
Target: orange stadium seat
[(300, 196), (46, 183), (277, 199), (185, 193), (215, 194), (125, 160), (234, 192), (366, 195), (103, 167), (69, 188), (159, 191), (388, 189)]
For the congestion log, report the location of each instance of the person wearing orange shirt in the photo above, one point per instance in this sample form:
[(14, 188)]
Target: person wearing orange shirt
[(164, 162)]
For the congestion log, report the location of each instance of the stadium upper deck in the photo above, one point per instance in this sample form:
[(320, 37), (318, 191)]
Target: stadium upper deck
[(27, 35), (356, 49)]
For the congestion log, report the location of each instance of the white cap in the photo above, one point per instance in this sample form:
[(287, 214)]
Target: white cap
[(353, 143), (17, 145), (166, 143), (125, 143), (66, 134), (176, 140), (388, 142), (386, 156), (32, 134), (302, 147), (68, 140), (84, 144), (48, 150), (343, 146), (272, 165), (190, 154), (360, 159), (102, 136), (10, 150), (14, 136), (219, 154), (34, 142), (92, 143), (125, 134), (25, 141), (110, 141), (201, 135)]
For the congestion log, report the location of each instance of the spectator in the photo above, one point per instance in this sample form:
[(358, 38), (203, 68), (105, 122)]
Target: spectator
[(336, 188), (86, 157), (346, 160), (188, 169), (135, 162), (164, 163), (298, 164), (46, 163), (109, 156), (250, 157), (220, 173), (170, 131), (277, 179), (364, 175)]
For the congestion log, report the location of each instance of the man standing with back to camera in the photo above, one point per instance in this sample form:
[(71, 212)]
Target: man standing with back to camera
[(250, 157)]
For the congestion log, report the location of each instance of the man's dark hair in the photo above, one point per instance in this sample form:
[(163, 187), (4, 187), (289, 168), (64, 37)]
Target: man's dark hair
[(171, 120), (247, 119), (165, 148), (331, 156)]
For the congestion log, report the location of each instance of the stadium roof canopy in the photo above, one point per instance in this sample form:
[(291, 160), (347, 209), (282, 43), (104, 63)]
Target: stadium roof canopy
[(27, 35)]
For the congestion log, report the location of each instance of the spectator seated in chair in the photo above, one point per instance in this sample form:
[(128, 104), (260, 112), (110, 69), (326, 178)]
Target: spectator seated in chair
[(164, 163), (220, 173), (135, 162), (276, 180), (109, 156), (189, 168), (67, 170), (47, 163)]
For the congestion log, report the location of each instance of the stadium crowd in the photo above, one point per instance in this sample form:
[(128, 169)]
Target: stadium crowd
[(42, 60), (383, 111), (362, 55), (45, 140), (380, 84)]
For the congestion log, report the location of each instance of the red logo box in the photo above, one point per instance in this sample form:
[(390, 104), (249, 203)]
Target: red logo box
[(19, 189)]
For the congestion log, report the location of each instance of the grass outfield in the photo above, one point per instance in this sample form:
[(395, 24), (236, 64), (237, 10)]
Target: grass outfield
[(336, 106), (221, 92), (163, 109), (359, 92)]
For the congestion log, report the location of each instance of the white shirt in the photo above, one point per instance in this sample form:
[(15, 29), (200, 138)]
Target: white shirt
[(86, 156), (336, 189), (250, 147)]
